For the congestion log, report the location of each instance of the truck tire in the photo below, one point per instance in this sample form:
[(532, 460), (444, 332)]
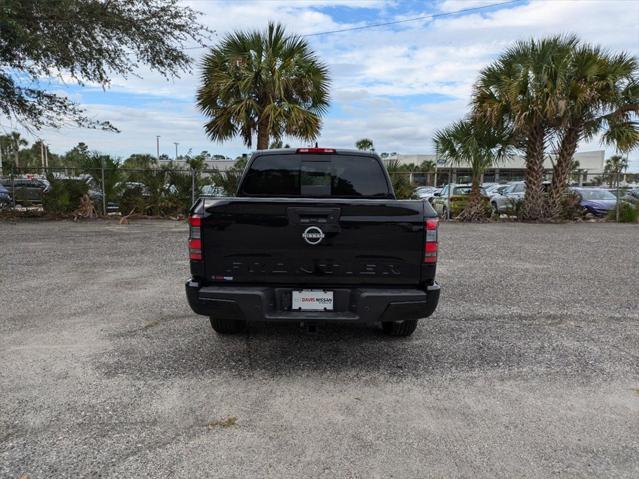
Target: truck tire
[(227, 326), (403, 328)]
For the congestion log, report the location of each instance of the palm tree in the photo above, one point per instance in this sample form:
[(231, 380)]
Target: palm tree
[(16, 142), (614, 168), (427, 166), (598, 91), (278, 144), (478, 145), (263, 83), (101, 166), (575, 170), (401, 181), (365, 144), (519, 91)]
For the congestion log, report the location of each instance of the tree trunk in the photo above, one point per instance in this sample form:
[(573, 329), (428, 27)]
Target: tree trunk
[(534, 197), (262, 134), (562, 169), (475, 210)]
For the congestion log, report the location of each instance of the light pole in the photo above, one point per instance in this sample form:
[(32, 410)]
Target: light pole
[(176, 148), (42, 155), (157, 147), (104, 210)]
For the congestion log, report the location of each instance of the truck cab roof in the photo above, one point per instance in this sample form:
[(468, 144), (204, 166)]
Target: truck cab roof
[(315, 150)]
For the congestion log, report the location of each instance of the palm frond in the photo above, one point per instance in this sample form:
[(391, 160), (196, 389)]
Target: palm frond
[(263, 75)]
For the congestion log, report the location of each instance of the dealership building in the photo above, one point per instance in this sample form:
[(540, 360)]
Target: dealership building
[(591, 164)]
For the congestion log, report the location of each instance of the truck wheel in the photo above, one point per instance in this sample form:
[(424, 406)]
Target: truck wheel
[(227, 326), (404, 328)]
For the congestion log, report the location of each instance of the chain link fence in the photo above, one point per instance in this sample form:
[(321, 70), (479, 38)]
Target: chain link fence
[(162, 191), (170, 191)]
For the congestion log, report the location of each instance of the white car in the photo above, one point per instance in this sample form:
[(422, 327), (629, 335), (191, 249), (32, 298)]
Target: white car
[(513, 193), (213, 191), (426, 192), (495, 188)]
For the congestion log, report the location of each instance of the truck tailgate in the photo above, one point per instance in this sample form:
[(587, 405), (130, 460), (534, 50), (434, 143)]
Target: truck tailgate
[(313, 241)]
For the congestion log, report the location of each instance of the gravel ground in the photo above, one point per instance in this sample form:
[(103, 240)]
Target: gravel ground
[(529, 368)]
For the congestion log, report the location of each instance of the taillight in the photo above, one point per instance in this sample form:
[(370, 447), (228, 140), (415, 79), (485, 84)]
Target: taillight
[(195, 238), (430, 246), (315, 150), (195, 222)]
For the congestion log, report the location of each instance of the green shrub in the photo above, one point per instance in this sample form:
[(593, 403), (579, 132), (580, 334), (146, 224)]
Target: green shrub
[(177, 195), (488, 209), (515, 207), (628, 213), (569, 207), (229, 179), (133, 199), (64, 196), (401, 180), (456, 207)]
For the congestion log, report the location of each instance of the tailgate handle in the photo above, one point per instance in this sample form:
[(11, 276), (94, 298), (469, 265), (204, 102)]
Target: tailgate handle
[(303, 216)]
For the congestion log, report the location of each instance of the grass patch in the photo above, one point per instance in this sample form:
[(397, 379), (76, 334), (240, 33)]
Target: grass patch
[(627, 213), (223, 423)]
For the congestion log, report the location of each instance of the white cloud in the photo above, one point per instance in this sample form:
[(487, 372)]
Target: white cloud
[(173, 121), (457, 5), (379, 75)]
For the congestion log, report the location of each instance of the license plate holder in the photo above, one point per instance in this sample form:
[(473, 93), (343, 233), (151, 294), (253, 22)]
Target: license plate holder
[(312, 300)]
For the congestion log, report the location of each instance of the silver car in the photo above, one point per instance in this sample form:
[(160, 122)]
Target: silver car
[(513, 193), (494, 189), (426, 192), (213, 191)]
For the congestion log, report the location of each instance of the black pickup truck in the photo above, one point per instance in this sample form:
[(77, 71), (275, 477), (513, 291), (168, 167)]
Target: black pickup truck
[(314, 234)]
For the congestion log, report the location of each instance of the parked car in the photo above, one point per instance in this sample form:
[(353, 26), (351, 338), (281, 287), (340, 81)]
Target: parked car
[(313, 235), (47, 185), (25, 190), (631, 196), (426, 192), (596, 201), (5, 197), (504, 200), (457, 201), (494, 189), (96, 197), (212, 191), (512, 194), (133, 185)]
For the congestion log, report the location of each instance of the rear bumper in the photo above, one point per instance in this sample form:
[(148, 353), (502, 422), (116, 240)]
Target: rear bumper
[(369, 305)]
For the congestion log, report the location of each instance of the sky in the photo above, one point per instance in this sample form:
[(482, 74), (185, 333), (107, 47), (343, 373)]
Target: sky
[(396, 84)]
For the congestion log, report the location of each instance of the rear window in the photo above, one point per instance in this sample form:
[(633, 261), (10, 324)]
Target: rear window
[(316, 176), (462, 191)]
